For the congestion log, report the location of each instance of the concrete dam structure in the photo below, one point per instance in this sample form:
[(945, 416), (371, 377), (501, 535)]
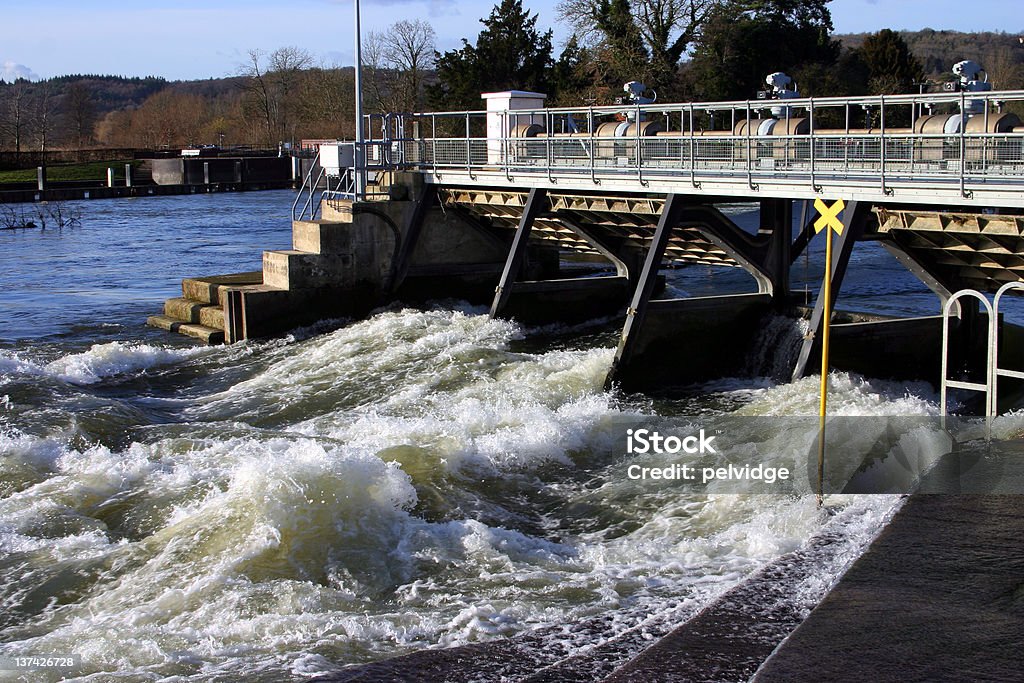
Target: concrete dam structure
[(497, 206)]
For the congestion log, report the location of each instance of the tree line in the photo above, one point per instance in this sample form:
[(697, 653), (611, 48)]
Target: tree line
[(687, 50)]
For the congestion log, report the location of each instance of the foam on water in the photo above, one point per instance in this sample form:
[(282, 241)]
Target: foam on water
[(100, 362), (412, 480)]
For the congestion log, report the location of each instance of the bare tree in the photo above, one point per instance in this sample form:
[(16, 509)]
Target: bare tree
[(327, 99), (168, 119), (286, 69), (258, 87), (79, 113), (271, 81), (44, 114), (399, 59), (1004, 72), (14, 114)]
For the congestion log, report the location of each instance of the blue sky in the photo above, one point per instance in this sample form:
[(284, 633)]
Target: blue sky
[(183, 39)]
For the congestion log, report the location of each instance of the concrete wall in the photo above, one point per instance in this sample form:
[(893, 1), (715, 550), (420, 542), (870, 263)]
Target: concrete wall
[(181, 171), (903, 349), (684, 341)]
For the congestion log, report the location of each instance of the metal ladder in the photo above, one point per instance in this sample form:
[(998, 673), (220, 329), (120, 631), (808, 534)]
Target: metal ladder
[(992, 370), (996, 372)]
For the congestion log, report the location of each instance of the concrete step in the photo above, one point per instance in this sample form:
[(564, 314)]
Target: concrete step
[(337, 211), (294, 269), (183, 310), (203, 333), (207, 289), (212, 316), (322, 236), (189, 311)]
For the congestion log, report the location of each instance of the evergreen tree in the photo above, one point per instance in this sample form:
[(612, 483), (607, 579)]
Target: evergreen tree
[(892, 68), (572, 78), (627, 56), (509, 54), (744, 40), (638, 39)]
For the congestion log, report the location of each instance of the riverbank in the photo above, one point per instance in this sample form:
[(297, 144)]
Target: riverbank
[(151, 177), (102, 192)]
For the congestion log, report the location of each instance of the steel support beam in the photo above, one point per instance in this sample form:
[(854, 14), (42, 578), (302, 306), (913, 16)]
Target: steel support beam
[(749, 251), (535, 202), (234, 316), (804, 238), (778, 214), (853, 227), (670, 215), (598, 243), (941, 289), (411, 235)]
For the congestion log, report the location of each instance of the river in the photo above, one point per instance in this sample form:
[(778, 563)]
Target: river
[(357, 490)]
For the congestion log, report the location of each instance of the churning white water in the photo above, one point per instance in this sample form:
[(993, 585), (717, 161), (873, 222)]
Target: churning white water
[(420, 479)]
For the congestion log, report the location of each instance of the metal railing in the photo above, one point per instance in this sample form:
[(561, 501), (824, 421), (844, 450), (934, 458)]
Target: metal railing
[(993, 371), (948, 383), (309, 189), (320, 184), (724, 142)]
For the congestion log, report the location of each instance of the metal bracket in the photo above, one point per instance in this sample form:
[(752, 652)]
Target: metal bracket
[(535, 200)]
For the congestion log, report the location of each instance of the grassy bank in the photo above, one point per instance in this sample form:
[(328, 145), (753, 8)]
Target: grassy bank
[(96, 171)]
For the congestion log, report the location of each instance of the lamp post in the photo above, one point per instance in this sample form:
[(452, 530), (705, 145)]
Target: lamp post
[(360, 152)]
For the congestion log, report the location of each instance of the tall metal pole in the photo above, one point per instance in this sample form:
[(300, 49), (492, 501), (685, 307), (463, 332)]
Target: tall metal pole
[(360, 152), (825, 326)]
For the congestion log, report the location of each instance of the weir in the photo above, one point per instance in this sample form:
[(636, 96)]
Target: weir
[(567, 214)]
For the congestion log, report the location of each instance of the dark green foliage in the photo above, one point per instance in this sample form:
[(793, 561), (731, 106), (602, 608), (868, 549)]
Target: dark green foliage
[(572, 77), (509, 54), (847, 76), (107, 93), (938, 51), (744, 40), (892, 68), (627, 56)]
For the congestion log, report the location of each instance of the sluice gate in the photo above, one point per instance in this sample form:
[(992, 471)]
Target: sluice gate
[(500, 206)]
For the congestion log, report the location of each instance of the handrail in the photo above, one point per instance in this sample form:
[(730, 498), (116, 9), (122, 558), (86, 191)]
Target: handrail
[(903, 160), (960, 166), (992, 96), (995, 371), (309, 186), (946, 382)]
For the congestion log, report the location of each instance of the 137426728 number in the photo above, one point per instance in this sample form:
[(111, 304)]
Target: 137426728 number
[(47, 661)]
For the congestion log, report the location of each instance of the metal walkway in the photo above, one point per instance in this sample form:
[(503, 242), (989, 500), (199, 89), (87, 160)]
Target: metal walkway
[(945, 149)]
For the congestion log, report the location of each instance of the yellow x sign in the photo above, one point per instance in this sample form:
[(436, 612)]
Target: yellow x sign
[(829, 216)]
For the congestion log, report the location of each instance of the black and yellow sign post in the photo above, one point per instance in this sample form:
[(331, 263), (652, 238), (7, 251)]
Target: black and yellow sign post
[(828, 221)]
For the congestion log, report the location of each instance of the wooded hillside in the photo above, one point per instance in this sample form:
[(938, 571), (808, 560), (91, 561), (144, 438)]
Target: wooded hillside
[(686, 50), (1002, 54)]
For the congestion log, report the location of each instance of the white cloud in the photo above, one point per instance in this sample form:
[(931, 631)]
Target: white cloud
[(13, 71)]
